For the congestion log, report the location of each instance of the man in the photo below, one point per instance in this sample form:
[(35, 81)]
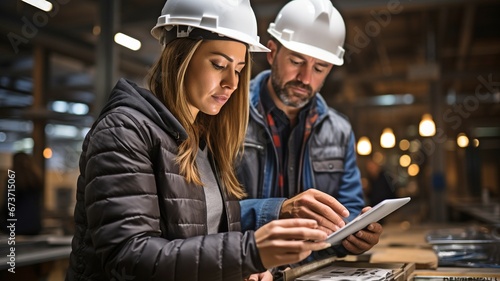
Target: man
[(296, 146), (380, 183)]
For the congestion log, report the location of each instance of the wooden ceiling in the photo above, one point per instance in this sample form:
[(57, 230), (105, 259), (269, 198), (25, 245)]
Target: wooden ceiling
[(403, 58)]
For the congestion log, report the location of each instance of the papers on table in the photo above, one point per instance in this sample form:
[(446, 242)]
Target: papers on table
[(336, 273)]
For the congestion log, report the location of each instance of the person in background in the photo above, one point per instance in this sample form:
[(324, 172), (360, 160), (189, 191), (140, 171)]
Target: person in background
[(299, 158), (380, 183), (157, 195), (26, 197)]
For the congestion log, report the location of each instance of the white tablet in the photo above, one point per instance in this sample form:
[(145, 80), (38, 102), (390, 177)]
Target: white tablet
[(375, 214)]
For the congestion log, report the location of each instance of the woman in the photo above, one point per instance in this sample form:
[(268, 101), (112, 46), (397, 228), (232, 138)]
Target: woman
[(157, 197)]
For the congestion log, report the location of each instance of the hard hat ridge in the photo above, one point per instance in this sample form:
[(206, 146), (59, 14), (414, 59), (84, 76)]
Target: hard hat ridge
[(233, 19)]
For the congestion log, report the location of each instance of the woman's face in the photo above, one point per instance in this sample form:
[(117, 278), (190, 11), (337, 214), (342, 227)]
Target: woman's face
[(213, 75)]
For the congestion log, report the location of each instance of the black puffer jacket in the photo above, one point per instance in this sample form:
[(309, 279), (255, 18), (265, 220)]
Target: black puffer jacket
[(136, 217)]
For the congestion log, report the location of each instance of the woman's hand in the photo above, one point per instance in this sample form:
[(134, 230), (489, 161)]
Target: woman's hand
[(287, 241), (264, 276)]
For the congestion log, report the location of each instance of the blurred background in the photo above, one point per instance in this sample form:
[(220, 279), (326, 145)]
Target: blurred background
[(420, 85)]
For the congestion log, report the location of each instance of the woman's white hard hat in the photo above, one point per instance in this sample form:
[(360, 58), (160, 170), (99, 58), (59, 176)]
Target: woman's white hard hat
[(234, 19), (311, 27)]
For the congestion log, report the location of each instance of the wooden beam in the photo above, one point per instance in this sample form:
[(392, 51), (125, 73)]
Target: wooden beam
[(40, 80)]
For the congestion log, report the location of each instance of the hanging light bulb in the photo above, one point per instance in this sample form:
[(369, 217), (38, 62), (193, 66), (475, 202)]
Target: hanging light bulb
[(47, 153), (462, 140), (405, 160), (387, 139), (427, 128), (404, 144), (413, 170), (475, 142), (364, 146)]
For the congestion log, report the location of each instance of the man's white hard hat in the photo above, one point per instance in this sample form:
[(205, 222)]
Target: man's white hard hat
[(311, 27)]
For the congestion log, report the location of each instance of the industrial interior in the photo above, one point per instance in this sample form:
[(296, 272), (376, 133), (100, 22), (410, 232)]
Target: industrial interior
[(420, 85)]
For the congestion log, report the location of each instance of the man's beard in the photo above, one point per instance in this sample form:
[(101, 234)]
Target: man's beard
[(286, 95)]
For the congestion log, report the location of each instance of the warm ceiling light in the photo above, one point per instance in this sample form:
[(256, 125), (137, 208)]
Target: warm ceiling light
[(415, 146), (47, 153), (427, 128), (476, 142), (462, 140), (413, 170), (364, 146), (43, 5), (387, 139), (404, 145), (405, 160), (127, 41), (96, 30)]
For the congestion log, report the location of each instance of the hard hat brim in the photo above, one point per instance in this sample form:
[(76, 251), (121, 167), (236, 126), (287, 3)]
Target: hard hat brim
[(308, 50)]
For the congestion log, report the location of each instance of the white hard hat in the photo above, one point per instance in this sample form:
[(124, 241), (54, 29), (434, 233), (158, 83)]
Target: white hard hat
[(311, 27), (234, 19)]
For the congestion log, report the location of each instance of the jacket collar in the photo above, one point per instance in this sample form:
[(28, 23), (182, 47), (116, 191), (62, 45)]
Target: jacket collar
[(127, 93)]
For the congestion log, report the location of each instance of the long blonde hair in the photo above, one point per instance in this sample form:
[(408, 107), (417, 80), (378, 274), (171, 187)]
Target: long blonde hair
[(223, 133)]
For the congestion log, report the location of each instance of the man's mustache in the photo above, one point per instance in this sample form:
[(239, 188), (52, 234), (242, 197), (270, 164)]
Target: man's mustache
[(299, 84)]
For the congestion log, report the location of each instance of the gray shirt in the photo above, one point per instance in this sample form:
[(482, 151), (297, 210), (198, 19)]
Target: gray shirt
[(212, 192)]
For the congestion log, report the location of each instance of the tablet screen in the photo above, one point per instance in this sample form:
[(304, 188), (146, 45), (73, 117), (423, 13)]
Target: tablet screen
[(375, 214)]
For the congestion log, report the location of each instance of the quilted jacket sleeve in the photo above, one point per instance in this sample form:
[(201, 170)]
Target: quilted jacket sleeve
[(121, 203)]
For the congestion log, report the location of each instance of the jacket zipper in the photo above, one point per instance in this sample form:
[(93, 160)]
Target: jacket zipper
[(254, 145)]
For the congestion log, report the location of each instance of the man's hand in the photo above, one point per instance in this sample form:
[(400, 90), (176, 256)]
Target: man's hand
[(316, 205), (364, 239)]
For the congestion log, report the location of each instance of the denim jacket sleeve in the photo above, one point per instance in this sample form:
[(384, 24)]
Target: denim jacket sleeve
[(351, 191), (258, 212)]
